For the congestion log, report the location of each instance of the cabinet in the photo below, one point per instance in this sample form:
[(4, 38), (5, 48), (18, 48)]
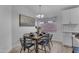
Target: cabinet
[(74, 15), (70, 23), (67, 39), (65, 16), (70, 16), (69, 27)]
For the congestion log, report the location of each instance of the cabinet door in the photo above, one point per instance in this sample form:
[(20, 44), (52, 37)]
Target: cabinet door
[(65, 17), (69, 27), (67, 39), (75, 16)]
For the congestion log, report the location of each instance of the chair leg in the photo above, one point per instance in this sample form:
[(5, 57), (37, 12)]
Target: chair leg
[(49, 46), (42, 47), (21, 50), (34, 47), (28, 50), (45, 49), (24, 49), (51, 43)]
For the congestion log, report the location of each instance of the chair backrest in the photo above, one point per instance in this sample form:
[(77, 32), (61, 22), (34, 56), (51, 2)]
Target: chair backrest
[(45, 38), (27, 42), (48, 37)]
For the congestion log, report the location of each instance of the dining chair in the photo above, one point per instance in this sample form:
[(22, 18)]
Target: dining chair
[(50, 39), (45, 42), (26, 43), (75, 50)]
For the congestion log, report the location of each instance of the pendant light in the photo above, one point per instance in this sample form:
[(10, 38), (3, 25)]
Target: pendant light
[(40, 15)]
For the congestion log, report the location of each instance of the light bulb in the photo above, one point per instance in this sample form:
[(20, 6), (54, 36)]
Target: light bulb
[(40, 16)]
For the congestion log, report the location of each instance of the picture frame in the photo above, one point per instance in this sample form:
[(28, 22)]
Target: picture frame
[(26, 20)]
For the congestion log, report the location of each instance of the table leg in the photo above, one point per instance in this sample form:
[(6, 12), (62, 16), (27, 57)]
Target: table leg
[(24, 43), (36, 46)]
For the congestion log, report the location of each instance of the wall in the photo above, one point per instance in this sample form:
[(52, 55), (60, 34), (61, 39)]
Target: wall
[(5, 28), (17, 31)]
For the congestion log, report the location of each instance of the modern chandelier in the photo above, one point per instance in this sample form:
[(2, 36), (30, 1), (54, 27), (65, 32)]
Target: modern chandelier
[(40, 15)]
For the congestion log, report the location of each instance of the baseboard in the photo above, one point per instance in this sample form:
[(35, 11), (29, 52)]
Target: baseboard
[(67, 46)]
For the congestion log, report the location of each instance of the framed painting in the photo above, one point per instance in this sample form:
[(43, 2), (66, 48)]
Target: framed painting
[(26, 20)]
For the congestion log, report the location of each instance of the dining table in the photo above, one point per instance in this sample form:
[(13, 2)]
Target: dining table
[(35, 38)]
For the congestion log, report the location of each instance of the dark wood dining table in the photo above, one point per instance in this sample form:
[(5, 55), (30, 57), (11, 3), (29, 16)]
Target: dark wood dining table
[(36, 38)]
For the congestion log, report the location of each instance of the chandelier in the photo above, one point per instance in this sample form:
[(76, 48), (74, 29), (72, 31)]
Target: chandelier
[(40, 15)]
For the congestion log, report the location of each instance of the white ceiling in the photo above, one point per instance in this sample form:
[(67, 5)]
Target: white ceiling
[(47, 10)]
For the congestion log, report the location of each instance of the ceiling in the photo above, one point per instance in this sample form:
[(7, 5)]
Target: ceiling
[(47, 10)]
